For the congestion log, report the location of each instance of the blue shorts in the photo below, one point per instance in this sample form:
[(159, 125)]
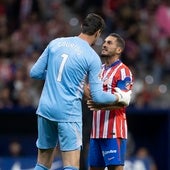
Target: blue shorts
[(68, 135), (107, 152)]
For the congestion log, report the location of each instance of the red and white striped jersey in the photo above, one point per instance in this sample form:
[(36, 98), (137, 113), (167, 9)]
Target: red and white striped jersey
[(112, 123)]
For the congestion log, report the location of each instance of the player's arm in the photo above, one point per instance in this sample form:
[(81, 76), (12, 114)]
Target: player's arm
[(96, 85), (96, 89), (123, 92), (39, 69), (123, 100), (96, 106)]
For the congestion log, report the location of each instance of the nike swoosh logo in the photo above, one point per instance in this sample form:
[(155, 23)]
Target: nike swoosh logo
[(111, 158)]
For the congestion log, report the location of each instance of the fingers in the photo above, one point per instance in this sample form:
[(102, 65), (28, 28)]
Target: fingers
[(90, 101), (93, 106)]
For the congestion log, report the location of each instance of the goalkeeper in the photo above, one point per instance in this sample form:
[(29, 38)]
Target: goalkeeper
[(64, 65), (109, 127)]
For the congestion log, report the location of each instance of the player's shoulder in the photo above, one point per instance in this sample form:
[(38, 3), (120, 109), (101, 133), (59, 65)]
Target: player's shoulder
[(124, 71), (59, 39), (124, 66), (60, 42)]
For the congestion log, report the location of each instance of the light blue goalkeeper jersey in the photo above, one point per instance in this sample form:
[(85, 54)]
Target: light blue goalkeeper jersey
[(64, 65)]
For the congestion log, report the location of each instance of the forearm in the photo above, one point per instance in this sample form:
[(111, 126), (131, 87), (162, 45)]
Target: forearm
[(96, 106), (104, 97)]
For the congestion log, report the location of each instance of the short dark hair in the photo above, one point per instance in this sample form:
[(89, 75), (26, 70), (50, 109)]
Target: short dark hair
[(120, 40), (92, 23)]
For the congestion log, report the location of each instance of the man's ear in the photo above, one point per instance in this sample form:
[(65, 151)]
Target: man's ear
[(118, 50), (98, 33)]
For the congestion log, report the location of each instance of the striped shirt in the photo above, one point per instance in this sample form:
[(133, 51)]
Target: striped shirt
[(112, 123)]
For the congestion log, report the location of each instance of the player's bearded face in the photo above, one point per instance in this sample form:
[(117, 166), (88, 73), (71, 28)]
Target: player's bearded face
[(107, 52)]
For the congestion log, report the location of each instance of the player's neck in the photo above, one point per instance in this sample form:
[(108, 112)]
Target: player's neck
[(89, 39), (110, 60)]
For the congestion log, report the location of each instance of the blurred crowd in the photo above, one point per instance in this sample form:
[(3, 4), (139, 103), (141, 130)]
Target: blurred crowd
[(27, 26)]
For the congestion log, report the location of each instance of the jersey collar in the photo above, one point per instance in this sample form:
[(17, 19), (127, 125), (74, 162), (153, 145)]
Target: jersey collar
[(113, 64)]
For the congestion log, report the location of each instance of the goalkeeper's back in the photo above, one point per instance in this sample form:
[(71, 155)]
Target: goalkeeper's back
[(64, 65), (67, 61)]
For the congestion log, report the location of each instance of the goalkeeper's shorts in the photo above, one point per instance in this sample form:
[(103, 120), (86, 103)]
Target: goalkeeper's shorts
[(51, 133)]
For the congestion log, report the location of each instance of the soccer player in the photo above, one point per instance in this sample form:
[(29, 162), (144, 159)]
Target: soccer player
[(64, 65), (109, 127)]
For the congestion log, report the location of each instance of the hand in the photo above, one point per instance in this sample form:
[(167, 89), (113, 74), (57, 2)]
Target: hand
[(123, 97)]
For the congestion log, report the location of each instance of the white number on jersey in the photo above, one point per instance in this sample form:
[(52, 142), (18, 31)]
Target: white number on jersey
[(64, 58)]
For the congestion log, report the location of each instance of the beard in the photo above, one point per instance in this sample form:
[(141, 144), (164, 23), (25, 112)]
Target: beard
[(104, 55)]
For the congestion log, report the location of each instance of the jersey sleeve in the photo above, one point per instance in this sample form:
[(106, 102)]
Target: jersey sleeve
[(39, 69), (124, 78), (125, 84), (96, 85)]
